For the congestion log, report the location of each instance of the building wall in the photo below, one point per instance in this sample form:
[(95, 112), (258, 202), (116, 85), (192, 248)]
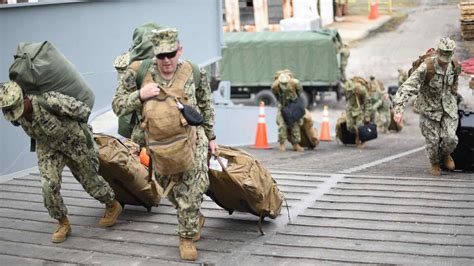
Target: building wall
[(275, 12), (91, 34)]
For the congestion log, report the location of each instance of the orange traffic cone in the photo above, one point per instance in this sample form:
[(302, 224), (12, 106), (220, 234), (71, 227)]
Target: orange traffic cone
[(374, 10), (325, 134), (261, 141)]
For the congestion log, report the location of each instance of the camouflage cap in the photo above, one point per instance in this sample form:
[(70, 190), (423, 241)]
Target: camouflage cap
[(164, 41), (11, 100), (283, 78), (446, 45)]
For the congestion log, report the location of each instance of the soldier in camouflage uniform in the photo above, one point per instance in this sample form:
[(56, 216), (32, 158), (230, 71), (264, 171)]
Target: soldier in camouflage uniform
[(358, 106), (435, 83), (186, 195), (345, 53), (287, 89), (380, 104), (52, 120)]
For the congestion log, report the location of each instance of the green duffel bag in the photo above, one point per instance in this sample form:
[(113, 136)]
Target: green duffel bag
[(40, 67)]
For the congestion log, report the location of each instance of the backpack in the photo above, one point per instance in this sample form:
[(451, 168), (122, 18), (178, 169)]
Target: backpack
[(125, 174), (127, 122), (293, 111), (142, 47), (309, 134), (430, 71), (170, 140), (40, 68), (361, 80), (244, 185)]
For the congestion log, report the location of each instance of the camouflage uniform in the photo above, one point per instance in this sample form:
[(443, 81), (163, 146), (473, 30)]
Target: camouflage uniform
[(286, 93), (437, 105), (63, 141), (357, 105), (381, 105), (345, 53), (186, 195)]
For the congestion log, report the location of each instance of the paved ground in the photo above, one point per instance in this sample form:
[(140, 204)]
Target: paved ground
[(378, 205), (347, 206)]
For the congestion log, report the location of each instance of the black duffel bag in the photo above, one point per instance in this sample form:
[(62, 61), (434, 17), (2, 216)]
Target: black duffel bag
[(463, 155), (293, 111), (368, 132)]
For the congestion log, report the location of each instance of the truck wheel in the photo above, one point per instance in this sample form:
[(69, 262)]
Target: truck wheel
[(267, 97), (339, 92), (305, 96)]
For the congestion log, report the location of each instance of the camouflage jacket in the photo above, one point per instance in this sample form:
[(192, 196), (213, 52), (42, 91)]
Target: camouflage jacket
[(62, 129), (287, 94), (378, 101), (435, 97), (126, 99), (357, 103)]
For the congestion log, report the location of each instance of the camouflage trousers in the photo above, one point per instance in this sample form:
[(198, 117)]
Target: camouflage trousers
[(440, 137), (187, 194), (293, 133), (382, 120), (353, 123), (83, 167)]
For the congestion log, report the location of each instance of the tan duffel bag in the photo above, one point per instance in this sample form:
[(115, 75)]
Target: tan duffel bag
[(244, 185), (122, 169), (309, 134)]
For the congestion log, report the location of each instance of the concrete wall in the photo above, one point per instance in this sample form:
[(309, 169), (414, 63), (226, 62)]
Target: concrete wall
[(91, 34)]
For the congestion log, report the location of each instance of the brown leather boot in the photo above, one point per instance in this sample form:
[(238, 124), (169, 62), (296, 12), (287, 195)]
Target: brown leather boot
[(449, 162), (62, 230), (282, 147), (435, 170), (201, 221), (111, 214), (359, 143), (187, 250), (297, 147)]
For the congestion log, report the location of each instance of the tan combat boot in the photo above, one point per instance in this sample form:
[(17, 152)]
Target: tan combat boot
[(297, 147), (449, 162), (111, 214), (201, 221), (435, 170), (359, 143), (187, 250), (282, 147), (62, 231)]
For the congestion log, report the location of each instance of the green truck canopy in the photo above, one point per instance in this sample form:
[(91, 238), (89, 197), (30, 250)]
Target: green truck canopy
[(252, 58)]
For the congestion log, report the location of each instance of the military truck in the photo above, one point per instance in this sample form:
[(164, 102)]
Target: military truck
[(250, 60)]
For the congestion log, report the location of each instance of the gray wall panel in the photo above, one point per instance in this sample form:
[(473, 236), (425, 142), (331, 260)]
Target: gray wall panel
[(91, 34)]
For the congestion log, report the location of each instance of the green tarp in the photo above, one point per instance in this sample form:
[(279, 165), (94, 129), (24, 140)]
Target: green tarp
[(252, 58)]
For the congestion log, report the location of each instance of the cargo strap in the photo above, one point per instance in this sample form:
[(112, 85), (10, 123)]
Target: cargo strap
[(155, 187)]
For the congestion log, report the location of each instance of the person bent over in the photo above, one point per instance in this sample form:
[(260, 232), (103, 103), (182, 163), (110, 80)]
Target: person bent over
[(358, 108), (287, 89), (58, 124)]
